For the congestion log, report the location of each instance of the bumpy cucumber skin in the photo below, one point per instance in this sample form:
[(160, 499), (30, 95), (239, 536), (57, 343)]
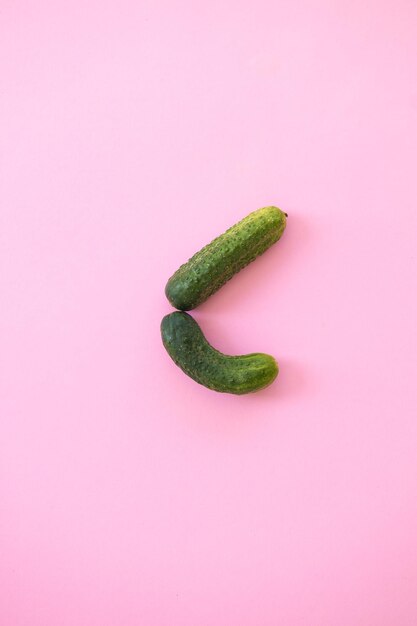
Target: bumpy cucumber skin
[(190, 350), (211, 267)]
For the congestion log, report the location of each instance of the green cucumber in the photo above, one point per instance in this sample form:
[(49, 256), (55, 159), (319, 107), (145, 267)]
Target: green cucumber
[(216, 263), (189, 349)]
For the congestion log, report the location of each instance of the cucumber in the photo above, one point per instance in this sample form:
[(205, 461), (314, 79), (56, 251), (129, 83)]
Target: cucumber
[(190, 350), (216, 263)]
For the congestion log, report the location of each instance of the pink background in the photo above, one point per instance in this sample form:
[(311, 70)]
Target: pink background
[(131, 134)]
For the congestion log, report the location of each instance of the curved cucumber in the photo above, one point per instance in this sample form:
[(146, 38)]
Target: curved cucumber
[(226, 255), (190, 350)]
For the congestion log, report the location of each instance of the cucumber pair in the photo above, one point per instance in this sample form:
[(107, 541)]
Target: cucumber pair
[(195, 281)]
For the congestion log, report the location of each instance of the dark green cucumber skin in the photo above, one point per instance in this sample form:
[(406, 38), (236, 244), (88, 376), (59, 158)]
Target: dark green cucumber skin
[(189, 349), (211, 267)]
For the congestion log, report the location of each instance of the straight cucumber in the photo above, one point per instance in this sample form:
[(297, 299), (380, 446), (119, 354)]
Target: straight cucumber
[(216, 263), (190, 350)]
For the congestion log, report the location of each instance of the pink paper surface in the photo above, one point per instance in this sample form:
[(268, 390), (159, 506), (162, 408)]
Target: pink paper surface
[(131, 134)]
